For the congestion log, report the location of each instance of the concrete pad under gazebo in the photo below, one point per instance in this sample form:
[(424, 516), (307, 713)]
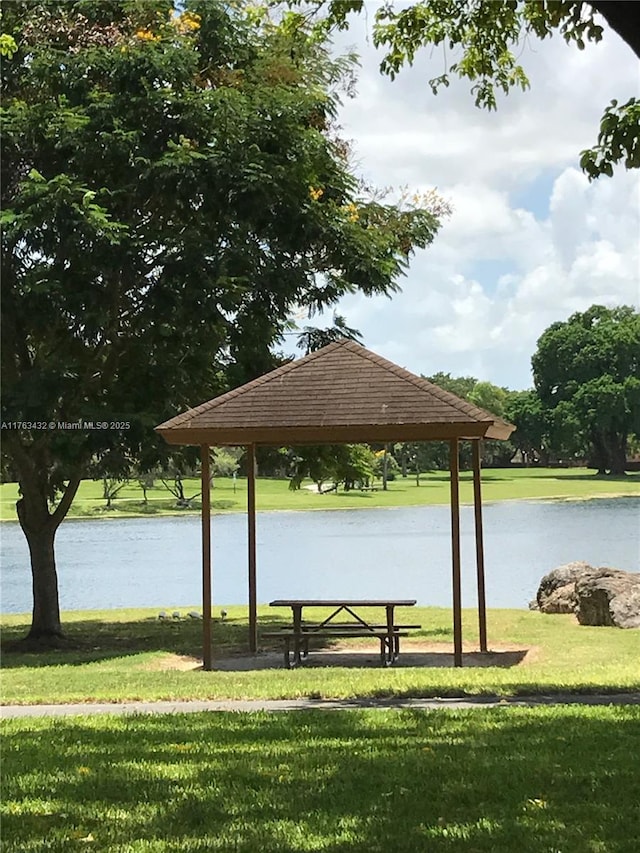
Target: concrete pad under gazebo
[(342, 393)]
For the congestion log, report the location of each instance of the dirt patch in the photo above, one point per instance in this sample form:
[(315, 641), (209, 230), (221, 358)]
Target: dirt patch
[(171, 661), (532, 656), (412, 654)]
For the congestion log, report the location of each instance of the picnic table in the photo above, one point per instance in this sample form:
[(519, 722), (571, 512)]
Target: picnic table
[(296, 636)]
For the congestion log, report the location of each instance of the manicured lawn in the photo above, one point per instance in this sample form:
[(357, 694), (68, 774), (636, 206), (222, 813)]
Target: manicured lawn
[(128, 655), (498, 484), (533, 780)]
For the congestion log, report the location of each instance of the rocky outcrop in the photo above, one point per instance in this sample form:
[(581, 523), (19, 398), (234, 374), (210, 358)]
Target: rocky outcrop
[(556, 593), (608, 597), (598, 596)]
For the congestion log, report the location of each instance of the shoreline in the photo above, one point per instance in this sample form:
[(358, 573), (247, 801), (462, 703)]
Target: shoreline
[(196, 513)]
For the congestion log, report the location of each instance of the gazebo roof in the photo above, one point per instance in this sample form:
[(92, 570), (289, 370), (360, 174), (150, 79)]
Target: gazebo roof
[(340, 393)]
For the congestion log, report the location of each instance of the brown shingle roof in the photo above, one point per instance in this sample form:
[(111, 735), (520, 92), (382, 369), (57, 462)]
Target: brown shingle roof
[(342, 392)]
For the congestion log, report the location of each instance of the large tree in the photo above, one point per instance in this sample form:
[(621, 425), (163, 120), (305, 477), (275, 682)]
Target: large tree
[(587, 374), (172, 186), (485, 40)]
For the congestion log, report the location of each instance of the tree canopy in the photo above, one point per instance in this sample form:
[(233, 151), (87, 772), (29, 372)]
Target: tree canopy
[(172, 186), (485, 41), (587, 375), (524, 410)]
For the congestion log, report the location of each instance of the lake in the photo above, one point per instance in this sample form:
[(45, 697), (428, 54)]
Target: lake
[(403, 553)]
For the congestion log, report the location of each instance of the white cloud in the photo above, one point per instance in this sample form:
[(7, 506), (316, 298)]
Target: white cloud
[(499, 272)]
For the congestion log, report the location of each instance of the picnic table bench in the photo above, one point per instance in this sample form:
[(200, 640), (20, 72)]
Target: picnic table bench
[(296, 637)]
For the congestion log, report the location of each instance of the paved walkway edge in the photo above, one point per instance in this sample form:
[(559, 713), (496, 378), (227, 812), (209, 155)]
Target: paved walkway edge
[(245, 705)]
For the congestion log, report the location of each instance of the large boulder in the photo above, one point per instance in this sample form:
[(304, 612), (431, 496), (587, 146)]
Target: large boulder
[(598, 596), (608, 597), (557, 590)]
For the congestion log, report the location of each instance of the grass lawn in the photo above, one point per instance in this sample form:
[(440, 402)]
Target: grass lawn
[(129, 655), (498, 484), (538, 780)]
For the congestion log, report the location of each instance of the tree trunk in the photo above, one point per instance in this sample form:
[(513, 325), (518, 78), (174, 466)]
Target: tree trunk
[(385, 467), (610, 452), (599, 453), (45, 621), (39, 526), (617, 446), (403, 461)]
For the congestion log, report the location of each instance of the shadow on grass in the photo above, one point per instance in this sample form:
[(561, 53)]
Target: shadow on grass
[(409, 659), (95, 640), (134, 509), (348, 782)]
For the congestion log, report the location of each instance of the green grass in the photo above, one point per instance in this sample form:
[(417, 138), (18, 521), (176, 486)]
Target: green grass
[(498, 484), (532, 780), (123, 655)]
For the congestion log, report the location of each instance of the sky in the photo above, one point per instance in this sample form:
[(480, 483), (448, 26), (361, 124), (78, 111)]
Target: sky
[(530, 240)]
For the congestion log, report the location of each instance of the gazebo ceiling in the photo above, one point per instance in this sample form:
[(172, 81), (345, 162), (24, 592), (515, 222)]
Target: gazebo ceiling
[(340, 393)]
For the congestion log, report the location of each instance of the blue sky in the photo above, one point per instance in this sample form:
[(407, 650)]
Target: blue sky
[(530, 241)]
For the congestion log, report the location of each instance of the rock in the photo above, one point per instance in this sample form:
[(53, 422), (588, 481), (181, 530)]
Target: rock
[(608, 597), (556, 593), (598, 596)]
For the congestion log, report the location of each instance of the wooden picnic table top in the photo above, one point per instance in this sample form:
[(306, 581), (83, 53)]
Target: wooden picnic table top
[(345, 602)]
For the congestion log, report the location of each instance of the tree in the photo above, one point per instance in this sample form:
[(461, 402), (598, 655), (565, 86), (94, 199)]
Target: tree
[(173, 482), (488, 39), (492, 398), (524, 410), (111, 488), (146, 480), (311, 338), (386, 467), (350, 464), (172, 185), (587, 374), (226, 461)]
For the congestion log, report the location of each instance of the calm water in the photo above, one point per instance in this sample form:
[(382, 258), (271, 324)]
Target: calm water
[(403, 552)]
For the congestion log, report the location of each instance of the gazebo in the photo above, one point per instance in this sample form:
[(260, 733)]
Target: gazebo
[(342, 393)]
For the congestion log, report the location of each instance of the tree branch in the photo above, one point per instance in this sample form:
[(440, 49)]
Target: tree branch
[(67, 498), (623, 17)]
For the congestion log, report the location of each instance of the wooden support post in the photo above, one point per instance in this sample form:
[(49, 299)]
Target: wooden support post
[(454, 467), (477, 504), (207, 659), (251, 515)]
